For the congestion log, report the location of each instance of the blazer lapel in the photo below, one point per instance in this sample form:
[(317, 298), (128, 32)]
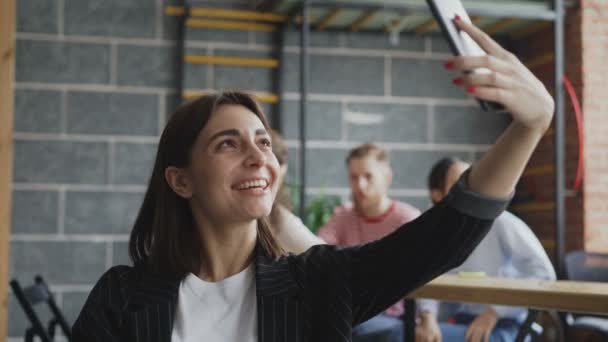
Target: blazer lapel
[(152, 308), (279, 301)]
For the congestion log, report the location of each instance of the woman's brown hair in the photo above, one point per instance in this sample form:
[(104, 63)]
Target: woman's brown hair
[(165, 234)]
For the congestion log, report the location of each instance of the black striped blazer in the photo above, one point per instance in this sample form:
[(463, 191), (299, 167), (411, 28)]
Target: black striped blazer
[(316, 296)]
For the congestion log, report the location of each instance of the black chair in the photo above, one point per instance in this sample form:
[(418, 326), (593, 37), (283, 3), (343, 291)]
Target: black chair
[(584, 266), (33, 295)]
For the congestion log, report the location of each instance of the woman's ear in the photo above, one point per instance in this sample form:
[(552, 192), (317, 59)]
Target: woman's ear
[(178, 181)]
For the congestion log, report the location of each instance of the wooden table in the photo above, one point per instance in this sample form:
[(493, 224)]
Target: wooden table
[(561, 295)]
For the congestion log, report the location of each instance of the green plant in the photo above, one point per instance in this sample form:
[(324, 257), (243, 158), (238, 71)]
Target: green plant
[(319, 211)]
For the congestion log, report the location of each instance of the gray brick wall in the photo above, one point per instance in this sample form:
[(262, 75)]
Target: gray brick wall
[(95, 79)]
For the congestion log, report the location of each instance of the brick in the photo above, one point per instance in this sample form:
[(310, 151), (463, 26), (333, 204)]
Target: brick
[(59, 262), (121, 253), (72, 305), (399, 123), (112, 113), (37, 111), (152, 66), (34, 212), (133, 163), (56, 161), (323, 121), (337, 74), (381, 41), (101, 212), (316, 39), (423, 78), (117, 18), (326, 168), (468, 125), (47, 61), (439, 45), (411, 168), (39, 16)]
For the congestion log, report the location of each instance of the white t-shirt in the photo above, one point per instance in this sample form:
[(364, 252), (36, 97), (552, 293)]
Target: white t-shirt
[(225, 311)]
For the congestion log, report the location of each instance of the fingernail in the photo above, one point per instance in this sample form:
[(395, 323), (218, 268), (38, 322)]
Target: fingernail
[(449, 65), (471, 89), (457, 17), (458, 81)]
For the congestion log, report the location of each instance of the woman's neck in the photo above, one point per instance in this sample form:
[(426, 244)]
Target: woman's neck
[(226, 250)]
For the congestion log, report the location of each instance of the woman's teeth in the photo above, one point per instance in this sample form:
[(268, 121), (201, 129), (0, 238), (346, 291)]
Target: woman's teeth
[(252, 184)]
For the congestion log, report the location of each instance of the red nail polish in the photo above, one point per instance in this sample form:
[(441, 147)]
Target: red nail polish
[(471, 89), (457, 17), (458, 81), (449, 65)]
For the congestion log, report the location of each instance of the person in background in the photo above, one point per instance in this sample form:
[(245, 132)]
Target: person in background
[(509, 250), (289, 229), (371, 216)]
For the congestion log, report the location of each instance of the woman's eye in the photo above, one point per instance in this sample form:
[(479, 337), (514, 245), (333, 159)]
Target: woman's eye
[(227, 143), (265, 142)]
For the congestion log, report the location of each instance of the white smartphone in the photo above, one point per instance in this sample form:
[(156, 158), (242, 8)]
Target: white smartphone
[(460, 42)]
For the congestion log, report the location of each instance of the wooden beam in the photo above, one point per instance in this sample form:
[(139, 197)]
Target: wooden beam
[(396, 24), (328, 18), (362, 20), (221, 13), (540, 170), (7, 76), (530, 29), (230, 25), (262, 98), (431, 25), (425, 27), (236, 61), (499, 25), (540, 61)]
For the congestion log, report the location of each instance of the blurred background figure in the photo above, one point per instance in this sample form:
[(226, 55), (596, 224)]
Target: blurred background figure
[(371, 216), (289, 229), (509, 250)]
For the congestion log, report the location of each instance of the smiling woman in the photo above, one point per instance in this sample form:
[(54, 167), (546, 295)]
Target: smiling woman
[(212, 158), (208, 268)]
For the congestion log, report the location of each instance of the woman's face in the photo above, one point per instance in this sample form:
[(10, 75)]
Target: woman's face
[(233, 173)]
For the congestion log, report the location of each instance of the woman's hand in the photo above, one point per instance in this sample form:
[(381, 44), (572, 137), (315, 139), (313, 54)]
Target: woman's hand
[(509, 82)]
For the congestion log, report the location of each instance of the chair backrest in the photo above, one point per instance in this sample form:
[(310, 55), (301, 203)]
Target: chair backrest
[(36, 294), (584, 266)]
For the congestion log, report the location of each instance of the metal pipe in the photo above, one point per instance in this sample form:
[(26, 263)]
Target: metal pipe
[(560, 132), (489, 9), (180, 62), (304, 32), (277, 77)]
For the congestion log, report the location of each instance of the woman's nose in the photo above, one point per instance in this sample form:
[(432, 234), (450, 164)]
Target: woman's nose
[(255, 157)]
